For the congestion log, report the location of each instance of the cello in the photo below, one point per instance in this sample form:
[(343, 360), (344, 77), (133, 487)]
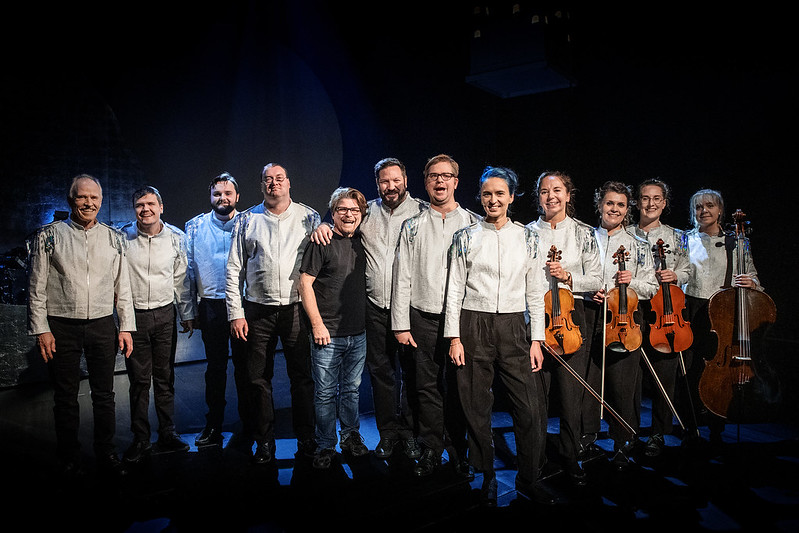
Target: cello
[(562, 334), (622, 333), (737, 314), (670, 332)]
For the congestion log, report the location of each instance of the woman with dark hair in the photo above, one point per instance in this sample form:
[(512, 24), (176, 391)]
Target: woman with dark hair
[(627, 262), (495, 276), (579, 271)]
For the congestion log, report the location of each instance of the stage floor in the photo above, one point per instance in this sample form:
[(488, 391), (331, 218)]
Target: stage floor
[(749, 483)]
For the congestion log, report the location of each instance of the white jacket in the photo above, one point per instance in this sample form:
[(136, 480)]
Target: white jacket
[(157, 268), (380, 231), (78, 273), (421, 263), (579, 255), (495, 271), (708, 264), (639, 262), (265, 255)]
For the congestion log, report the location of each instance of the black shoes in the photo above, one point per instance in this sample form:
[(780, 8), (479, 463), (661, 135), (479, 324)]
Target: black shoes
[(353, 445), (385, 448), (138, 451), (324, 458), (306, 447), (111, 465), (621, 457), (588, 448), (264, 453), (464, 469), (577, 475), (536, 492), (412, 450), (427, 463), (209, 437), (655, 445), (170, 442), (488, 492)]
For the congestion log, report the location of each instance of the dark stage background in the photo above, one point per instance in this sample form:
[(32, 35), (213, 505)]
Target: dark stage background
[(172, 94)]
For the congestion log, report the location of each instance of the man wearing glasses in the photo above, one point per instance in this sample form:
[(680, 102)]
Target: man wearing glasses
[(417, 315), (390, 365), (263, 304), (333, 291)]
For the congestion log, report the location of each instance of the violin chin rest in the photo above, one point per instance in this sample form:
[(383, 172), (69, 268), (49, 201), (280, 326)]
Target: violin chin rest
[(663, 348), (617, 347)]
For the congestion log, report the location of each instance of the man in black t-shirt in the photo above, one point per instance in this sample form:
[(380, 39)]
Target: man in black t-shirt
[(333, 292)]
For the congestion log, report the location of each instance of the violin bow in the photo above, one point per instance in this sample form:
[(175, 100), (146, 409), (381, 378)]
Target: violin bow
[(604, 348), (684, 372), (588, 387), (661, 388)]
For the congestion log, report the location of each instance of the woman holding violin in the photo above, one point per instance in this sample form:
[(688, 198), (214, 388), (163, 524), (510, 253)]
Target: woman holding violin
[(573, 266), (713, 262), (671, 270), (629, 276)]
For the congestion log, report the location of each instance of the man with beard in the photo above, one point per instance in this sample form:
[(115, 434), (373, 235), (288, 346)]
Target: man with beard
[(207, 246), (78, 276), (389, 364)]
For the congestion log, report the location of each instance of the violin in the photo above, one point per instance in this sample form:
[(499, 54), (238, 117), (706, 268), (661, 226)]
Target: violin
[(622, 333), (562, 334), (669, 332), (738, 316)]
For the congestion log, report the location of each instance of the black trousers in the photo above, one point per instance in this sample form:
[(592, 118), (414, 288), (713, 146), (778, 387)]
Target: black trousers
[(668, 372), (622, 383), (219, 346), (441, 419), (498, 342), (391, 371), (153, 361), (267, 324), (566, 394), (96, 340)]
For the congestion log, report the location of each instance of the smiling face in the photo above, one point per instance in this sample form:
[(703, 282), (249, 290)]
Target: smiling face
[(346, 217), (224, 198), (651, 202), (392, 186), (440, 184), (86, 201), (495, 197), (613, 209), (148, 212), (553, 197), (707, 212)]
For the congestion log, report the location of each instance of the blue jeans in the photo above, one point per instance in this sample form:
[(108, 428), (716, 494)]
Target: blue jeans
[(337, 370)]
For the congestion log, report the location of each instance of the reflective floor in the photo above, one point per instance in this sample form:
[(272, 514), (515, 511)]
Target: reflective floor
[(748, 483)]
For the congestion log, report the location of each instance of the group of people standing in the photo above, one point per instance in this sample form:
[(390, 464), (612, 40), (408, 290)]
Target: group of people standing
[(433, 300)]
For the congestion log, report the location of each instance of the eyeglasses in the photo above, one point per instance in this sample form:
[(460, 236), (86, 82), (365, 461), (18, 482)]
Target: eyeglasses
[(655, 199), (446, 176), (345, 210), (279, 179)]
